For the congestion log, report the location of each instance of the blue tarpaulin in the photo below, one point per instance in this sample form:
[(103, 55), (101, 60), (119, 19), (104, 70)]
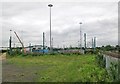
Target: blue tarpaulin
[(40, 51)]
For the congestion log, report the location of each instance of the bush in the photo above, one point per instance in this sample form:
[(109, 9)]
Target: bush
[(114, 71), (101, 60)]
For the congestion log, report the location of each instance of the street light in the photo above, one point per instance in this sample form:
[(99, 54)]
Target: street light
[(80, 36), (50, 5)]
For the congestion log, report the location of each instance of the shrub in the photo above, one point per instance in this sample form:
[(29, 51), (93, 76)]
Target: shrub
[(101, 60), (113, 71)]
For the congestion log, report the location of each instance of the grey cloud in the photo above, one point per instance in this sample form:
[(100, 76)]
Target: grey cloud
[(99, 20)]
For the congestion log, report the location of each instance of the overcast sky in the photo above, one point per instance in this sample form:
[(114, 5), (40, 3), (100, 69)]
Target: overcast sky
[(31, 19)]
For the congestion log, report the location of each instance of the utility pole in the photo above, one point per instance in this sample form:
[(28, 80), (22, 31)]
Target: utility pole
[(43, 42), (10, 42), (85, 41)]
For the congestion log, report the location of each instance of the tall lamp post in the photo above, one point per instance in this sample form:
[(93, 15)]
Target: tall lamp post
[(50, 5), (80, 37)]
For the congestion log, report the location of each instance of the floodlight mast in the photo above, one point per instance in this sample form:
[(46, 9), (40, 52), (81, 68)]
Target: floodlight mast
[(50, 5)]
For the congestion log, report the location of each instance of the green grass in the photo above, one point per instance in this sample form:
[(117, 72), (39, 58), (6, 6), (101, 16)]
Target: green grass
[(64, 68)]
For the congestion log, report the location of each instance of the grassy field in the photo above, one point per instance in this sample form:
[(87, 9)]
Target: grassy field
[(62, 68)]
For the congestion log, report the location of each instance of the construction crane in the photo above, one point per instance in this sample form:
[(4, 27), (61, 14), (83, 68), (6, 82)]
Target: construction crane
[(23, 48)]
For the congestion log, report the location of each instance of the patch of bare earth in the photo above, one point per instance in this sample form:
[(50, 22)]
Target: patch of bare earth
[(14, 73), (2, 56)]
